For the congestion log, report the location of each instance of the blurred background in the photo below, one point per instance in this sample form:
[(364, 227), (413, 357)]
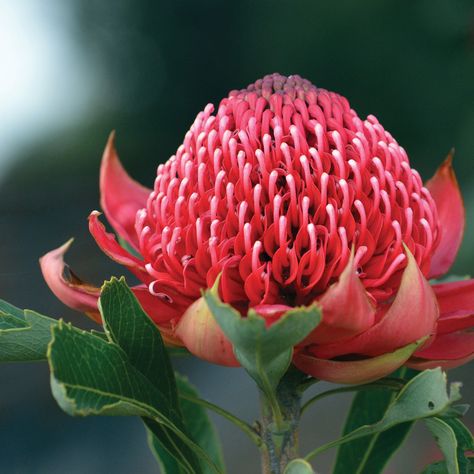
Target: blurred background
[(70, 72)]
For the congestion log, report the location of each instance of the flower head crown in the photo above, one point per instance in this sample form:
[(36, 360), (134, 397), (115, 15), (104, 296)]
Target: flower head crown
[(290, 197)]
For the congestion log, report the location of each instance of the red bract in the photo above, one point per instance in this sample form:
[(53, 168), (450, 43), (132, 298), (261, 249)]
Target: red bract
[(292, 198)]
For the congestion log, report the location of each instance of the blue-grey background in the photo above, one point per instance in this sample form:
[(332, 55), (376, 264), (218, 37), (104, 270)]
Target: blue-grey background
[(70, 71)]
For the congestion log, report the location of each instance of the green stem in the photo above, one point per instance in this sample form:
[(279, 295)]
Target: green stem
[(244, 426), (391, 384), (402, 372), (307, 383), (367, 453), (277, 415), (332, 444), (280, 435), (321, 449)]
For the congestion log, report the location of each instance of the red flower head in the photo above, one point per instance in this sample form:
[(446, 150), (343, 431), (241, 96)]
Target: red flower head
[(290, 197)]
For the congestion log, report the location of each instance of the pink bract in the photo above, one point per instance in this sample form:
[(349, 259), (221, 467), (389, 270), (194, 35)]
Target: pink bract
[(292, 198)]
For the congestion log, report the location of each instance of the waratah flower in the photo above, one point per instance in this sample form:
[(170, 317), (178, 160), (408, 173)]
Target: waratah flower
[(291, 198)]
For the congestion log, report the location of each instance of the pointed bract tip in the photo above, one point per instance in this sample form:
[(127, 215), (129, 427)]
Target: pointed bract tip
[(110, 152), (447, 165), (60, 251), (121, 197), (93, 214), (66, 285), (444, 189)]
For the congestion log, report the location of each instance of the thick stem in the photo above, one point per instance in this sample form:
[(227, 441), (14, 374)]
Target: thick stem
[(280, 440)]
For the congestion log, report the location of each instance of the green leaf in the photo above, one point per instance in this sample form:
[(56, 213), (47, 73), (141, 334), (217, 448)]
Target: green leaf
[(100, 334), (128, 326), (385, 445), (424, 396), (462, 432), (265, 352), (198, 423), (7, 308), (7, 321), (369, 407), (456, 411), (298, 466), (453, 438), (168, 453), (370, 454), (90, 376), (446, 440), (441, 468), (199, 426), (168, 464), (24, 334)]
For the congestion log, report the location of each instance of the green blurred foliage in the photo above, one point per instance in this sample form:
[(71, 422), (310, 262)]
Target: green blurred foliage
[(409, 63)]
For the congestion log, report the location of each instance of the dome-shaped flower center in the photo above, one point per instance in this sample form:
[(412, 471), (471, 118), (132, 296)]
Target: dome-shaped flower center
[(275, 190)]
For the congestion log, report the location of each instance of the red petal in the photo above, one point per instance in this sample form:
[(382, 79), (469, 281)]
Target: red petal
[(454, 345), (444, 188), (169, 305), (455, 298), (160, 312), (271, 312), (203, 337), (356, 371), (411, 316), (67, 286), (456, 305), (423, 364), (455, 323), (347, 310), (109, 245), (121, 196)]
